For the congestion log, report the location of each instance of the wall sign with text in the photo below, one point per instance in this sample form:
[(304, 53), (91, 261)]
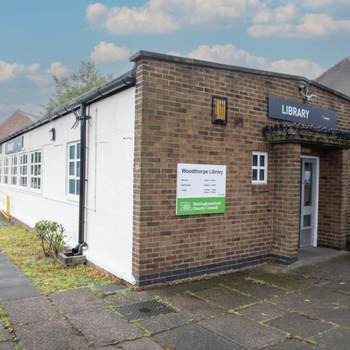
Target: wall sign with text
[(200, 189), (300, 113)]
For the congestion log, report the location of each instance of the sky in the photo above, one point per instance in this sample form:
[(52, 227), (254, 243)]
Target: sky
[(43, 38)]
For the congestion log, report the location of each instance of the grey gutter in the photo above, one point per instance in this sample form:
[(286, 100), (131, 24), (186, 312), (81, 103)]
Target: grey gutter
[(124, 81), (200, 63)]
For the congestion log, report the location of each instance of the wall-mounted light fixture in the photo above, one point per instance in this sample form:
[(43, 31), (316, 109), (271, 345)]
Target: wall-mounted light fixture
[(308, 96), (219, 110), (52, 133)]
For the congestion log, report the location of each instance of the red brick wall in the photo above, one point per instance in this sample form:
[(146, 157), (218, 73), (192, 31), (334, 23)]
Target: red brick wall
[(286, 200), (173, 125), (333, 201), (12, 124)]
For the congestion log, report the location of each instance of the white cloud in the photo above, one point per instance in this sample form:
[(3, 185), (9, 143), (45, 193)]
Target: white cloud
[(45, 79), (282, 14), (337, 8), (29, 108), (8, 71), (229, 54), (108, 52), (310, 26), (299, 66), (167, 16)]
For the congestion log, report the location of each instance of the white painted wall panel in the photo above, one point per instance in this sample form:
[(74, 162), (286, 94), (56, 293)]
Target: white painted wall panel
[(109, 188)]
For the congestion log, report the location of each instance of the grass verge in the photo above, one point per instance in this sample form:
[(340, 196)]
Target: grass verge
[(48, 274)]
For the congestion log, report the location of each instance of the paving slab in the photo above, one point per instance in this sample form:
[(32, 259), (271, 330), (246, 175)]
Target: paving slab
[(7, 345), (242, 331), (224, 297), (262, 311), (11, 271), (287, 283), (163, 323), (4, 334), (50, 335), (104, 327), (26, 290), (13, 281), (194, 308), (256, 290), (293, 344), (30, 310), (128, 298), (193, 337), (323, 293), (110, 288), (77, 300), (299, 303), (339, 316), (338, 286), (335, 339), (138, 344), (331, 269), (299, 325)]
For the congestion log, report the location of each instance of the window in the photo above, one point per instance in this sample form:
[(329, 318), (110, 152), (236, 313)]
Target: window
[(74, 169), (259, 168), (14, 170), (0, 169), (35, 170), (6, 170), (23, 170)]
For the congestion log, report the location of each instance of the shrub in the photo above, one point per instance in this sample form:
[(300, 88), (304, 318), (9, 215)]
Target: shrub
[(52, 235)]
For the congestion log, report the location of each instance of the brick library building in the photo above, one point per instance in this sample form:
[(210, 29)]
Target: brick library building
[(192, 168)]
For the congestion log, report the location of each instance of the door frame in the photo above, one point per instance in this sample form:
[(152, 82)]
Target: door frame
[(315, 233)]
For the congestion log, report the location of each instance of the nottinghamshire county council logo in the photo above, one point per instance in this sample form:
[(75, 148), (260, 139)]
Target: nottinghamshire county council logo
[(185, 206)]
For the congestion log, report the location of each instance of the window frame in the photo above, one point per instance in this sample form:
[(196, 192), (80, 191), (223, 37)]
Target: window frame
[(5, 171), (22, 166), (31, 167), (13, 165), (258, 168), (76, 174)]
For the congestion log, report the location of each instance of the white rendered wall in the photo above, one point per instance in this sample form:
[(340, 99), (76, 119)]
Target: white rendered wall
[(109, 187)]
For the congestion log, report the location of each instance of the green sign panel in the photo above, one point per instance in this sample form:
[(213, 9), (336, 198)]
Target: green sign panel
[(200, 189)]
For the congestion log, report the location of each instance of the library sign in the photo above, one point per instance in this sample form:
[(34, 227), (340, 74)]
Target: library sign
[(200, 189)]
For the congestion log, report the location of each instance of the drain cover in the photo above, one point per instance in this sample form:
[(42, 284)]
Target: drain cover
[(143, 310)]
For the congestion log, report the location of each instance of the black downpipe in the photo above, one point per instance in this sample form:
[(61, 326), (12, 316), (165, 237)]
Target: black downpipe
[(78, 249)]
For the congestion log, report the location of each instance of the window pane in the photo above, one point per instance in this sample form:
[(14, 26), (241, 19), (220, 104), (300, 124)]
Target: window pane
[(39, 182), (255, 160), (71, 186), (262, 160), (39, 169), (71, 168), (72, 152), (262, 175), (78, 169), (307, 221), (78, 187), (255, 175), (78, 151)]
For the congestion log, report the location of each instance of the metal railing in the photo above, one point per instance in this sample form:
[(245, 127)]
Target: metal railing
[(7, 202)]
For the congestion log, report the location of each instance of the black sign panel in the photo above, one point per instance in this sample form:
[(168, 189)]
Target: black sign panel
[(300, 113), (14, 145)]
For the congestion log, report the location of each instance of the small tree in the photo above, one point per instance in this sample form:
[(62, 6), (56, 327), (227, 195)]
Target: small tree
[(52, 235), (87, 79)]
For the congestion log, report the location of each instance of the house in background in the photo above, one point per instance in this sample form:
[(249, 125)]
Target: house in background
[(182, 168), (337, 77), (16, 121)]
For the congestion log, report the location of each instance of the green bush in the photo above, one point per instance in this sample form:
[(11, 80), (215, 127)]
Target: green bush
[(52, 235)]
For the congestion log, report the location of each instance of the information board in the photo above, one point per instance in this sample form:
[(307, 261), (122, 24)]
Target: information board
[(200, 189)]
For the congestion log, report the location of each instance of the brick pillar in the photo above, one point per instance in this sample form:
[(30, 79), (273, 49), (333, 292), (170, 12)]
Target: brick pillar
[(332, 213), (286, 202)]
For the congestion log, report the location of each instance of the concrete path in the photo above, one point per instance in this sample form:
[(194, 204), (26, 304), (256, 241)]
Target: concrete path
[(271, 308)]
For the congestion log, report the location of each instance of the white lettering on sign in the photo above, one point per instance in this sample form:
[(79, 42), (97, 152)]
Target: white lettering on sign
[(296, 112), (10, 147)]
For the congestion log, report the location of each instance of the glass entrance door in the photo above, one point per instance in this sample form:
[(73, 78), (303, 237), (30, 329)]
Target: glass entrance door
[(308, 203)]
